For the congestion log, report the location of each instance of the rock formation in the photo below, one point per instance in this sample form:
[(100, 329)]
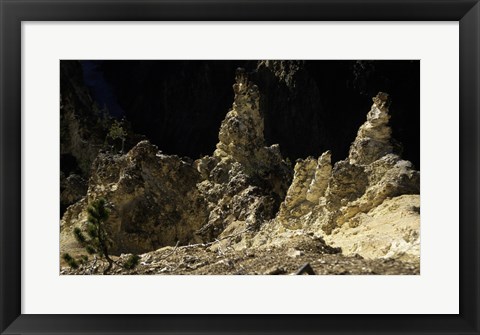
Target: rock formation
[(373, 138), (152, 199), (245, 181), (332, 201), (83, 133), (158, 200), (309, 106), (310, 181), (72, 189), (242, 198), (241, 132), (81, 130), (390, 230), (319, 183)]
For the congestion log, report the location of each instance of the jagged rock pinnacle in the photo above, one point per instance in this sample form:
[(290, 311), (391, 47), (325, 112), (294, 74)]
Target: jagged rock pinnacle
[(342, 203), (244, 180), (241, 132), (373, 137), (319, 183), (304, 173)]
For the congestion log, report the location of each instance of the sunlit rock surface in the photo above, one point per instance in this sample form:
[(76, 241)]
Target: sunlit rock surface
[(349, 196), (242, 199), (152, 199)]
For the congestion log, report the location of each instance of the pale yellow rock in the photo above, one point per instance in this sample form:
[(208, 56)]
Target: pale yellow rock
[(391, 230), (302, 178), (373, 137), (319, 183), (389, 177), (365, 204), (245, 180), (241, 132)]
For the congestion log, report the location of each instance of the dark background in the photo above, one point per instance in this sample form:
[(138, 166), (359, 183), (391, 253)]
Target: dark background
[(179, 105)]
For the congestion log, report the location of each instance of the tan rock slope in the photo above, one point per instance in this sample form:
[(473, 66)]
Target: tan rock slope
[(360, 203)]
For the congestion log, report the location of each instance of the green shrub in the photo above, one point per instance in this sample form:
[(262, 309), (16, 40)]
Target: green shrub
[(131, 262), (98, 241), (79, 235), (91, 230), (70, 261), (91, 250), (117, 132)]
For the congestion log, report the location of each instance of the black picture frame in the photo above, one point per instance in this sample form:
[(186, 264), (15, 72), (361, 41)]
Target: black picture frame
[(13, 12)]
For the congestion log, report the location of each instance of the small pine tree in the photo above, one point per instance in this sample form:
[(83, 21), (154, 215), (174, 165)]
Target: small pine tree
[(118, 133), (98, 241)]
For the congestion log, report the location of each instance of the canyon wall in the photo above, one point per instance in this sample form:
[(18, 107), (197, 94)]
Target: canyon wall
[(366, 204)]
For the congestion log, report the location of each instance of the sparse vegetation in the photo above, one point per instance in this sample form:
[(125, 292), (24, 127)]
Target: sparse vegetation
[(117, 132), (98, 241), (131, 262), (78, 235), (70, 261)]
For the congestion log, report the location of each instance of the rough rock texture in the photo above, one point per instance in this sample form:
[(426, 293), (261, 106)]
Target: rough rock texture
[(152, 198), (233, 201), (241, 132), (72, 189), (388, 177), (389, 230), (332, 201), (242, 201), (286, 259), (373, 137), (157, 200), (320, 108), (319, 183), (296, 203), (82, 132), (244, 180)]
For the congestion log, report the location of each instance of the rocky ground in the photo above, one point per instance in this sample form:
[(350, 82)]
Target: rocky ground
[(303, 256)]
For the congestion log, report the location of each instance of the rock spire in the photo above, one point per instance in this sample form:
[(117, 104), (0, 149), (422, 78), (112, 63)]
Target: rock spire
[(373, 138)]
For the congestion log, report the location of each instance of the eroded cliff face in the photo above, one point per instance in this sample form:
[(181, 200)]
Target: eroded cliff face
[(373, 138), (81, 129), (157, 200), (152, 199), (242, 199), (245, 181), (72, 189), (308, 106), (83, 134), (341, 201)]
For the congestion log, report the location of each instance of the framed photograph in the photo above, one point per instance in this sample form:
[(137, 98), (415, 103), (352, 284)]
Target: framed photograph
[(239, 167)]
